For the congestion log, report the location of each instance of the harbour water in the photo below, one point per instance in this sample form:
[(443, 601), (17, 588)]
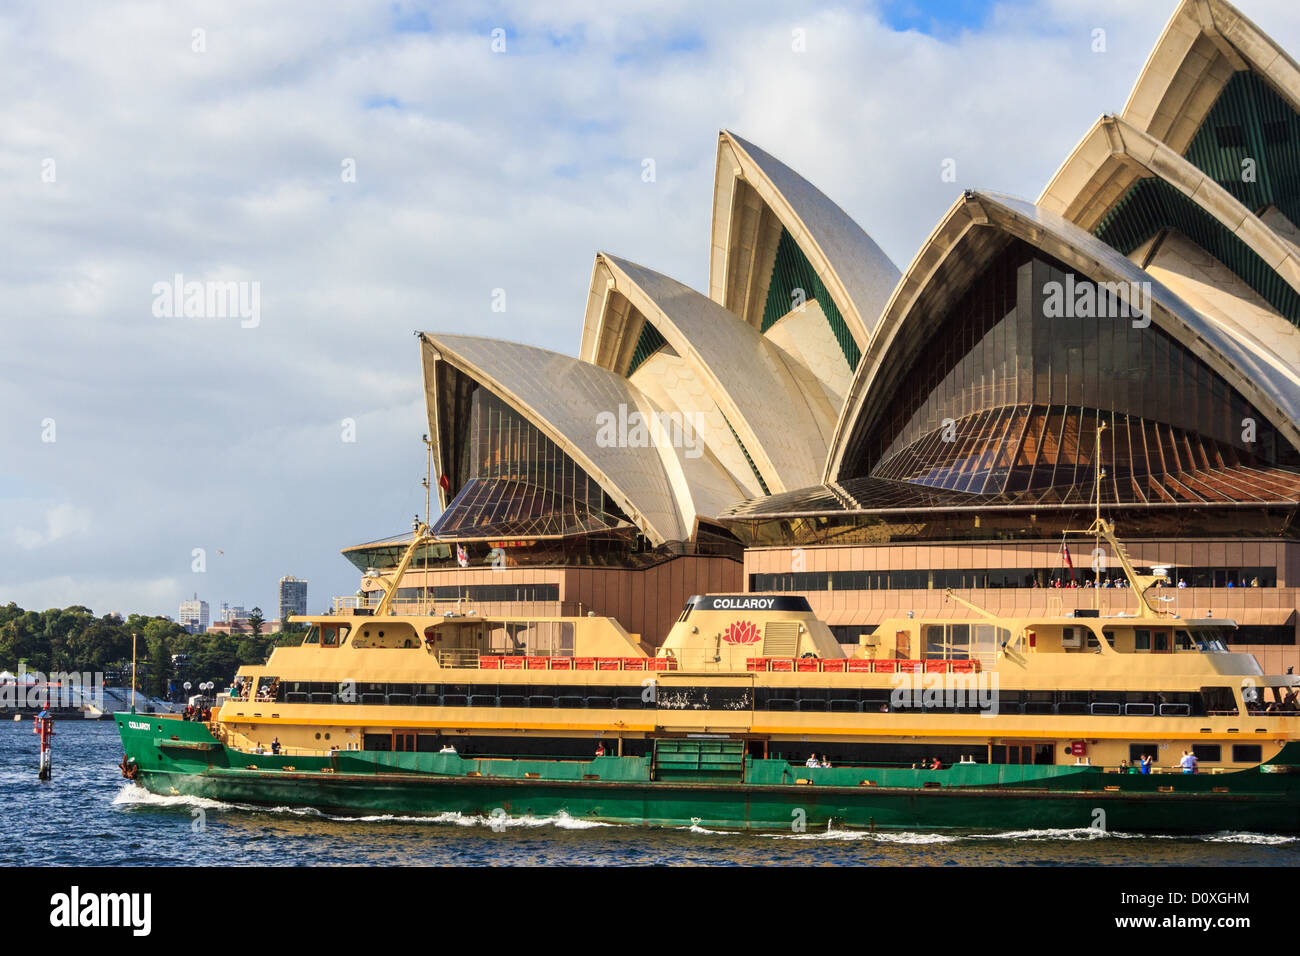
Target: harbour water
[(89, 815)]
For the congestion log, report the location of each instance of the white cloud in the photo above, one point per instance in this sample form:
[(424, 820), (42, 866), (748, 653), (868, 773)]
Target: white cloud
[(59, 523)]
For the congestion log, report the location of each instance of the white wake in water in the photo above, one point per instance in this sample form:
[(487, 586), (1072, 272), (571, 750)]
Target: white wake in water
[(901, 836), (1263, 839), (132, 795)]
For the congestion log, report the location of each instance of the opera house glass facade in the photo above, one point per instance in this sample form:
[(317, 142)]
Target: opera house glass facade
[(1005, 400), (818, 420)]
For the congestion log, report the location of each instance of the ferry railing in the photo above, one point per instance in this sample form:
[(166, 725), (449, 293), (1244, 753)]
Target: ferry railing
[(458, 658), (451, 607), (479, 660), (862, 665)]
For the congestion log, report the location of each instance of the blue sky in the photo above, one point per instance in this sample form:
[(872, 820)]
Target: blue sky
[(131, 155)]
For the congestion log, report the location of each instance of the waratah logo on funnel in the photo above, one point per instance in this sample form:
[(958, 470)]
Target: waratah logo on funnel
[(741, 632)]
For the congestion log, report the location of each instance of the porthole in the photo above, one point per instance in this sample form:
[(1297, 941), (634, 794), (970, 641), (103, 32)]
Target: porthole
[(318, 736), (381, 633), (327, 736)]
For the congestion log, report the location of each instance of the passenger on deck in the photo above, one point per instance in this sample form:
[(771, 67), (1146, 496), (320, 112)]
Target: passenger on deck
[(275, 745), (1188, 762), (811, 761), (447, 748), (600, 749), (1123, 766), (825, 762), (935, 764), (1146, 763)]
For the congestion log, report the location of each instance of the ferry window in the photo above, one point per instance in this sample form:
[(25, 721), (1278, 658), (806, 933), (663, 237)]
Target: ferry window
[(1182, 641), (565, 646), (1160, 642), (716, 698), (1207, 753), (812, 699), (1093, 643), (482, 695), (313, 635), (686, 611), (875, 700), (334, 635), (539, 696), (959, 641), (989, 639), (1209, 640), (1073, 702), (1219, 700), (1039, 702), (932, 635), (1137, 751), (1142, 640), (633, 698), (1009, 702), (1247, 753)]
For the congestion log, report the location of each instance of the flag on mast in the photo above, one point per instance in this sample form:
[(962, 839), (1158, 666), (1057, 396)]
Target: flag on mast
[(1065, 558), (462, 556)]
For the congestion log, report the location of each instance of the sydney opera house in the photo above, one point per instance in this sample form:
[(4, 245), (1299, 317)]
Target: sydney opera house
[(819, 421)]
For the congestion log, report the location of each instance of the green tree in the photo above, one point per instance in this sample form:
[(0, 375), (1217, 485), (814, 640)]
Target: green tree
[(255, 621), (160, 664)]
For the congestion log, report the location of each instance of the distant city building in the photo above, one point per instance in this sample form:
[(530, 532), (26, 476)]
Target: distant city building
[(193, 615), (293, 597), (232, 612)]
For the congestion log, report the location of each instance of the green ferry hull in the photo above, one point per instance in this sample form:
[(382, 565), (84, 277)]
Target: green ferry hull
[(180, 758)]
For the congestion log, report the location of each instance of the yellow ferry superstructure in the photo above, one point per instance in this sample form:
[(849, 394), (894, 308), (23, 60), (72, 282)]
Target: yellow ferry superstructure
[(1085, 688)]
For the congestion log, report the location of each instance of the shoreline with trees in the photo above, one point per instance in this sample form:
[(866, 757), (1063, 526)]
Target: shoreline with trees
[(73, 639)]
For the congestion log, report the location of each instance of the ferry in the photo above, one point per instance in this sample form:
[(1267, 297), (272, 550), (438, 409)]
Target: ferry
[(752, 716)]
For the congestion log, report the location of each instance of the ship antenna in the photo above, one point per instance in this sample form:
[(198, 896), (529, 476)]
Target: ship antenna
[(428, 492), (1096, 540)]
